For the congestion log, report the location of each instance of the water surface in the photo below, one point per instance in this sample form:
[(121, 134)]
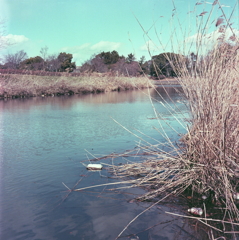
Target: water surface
[(45, 140)]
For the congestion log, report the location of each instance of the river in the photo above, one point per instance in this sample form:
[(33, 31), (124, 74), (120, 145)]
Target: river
[(43, 144)]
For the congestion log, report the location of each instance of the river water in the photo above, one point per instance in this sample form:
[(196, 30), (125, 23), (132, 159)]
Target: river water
[(43, 142)]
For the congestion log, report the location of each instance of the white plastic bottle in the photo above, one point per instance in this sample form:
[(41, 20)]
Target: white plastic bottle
[(236, 196), (196, 211)]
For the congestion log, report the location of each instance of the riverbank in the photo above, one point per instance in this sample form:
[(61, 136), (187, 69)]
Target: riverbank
[(19, 86), (166, 81)]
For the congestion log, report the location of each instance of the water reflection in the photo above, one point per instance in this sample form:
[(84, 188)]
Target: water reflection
[(66, 102), (43, 142)]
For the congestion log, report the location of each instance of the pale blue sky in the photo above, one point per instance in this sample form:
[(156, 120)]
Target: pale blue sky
[(85, 27)]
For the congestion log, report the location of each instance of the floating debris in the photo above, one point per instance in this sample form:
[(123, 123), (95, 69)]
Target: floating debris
[(196, 211), (134, 238), (94, 166), (236, 196), (204, 197)]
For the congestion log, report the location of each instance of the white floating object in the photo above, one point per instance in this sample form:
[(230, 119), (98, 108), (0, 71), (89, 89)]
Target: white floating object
[(94, 166), (236, 196), (196, 211), (204, 197)]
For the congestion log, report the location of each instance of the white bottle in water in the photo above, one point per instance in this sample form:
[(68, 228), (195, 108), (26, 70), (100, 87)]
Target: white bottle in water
[(236, 196), (196, 211)]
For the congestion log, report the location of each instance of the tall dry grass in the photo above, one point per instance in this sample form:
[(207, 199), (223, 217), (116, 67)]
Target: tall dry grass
[(206, 160), (14, 85)]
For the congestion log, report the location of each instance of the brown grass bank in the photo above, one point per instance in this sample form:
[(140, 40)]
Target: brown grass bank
[(13, 85), (166, 81)]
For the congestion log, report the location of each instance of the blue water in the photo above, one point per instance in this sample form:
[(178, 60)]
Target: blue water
[(44, 142)]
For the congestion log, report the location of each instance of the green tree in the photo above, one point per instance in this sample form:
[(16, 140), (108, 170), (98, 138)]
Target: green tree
[(130, 58), (65, 63), (142, 60), (165, 64), (144, 65), (33, 63), (110, 57)]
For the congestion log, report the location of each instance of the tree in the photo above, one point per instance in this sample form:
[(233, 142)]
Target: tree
[(94, 64), (65, 63), (165, 64), (13, 60), (113, 63), (52, 63), (110, 57), (142, 60), (144, 65), (33, 63), (130, 58), (132, 69), (43, 53)]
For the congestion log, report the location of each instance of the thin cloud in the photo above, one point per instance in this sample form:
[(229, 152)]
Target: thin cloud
[(15, 39), (100, 46), (84, 46), (83, 52), (106, 46)]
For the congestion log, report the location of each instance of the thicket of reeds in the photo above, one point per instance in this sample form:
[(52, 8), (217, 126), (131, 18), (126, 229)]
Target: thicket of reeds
[(206, 160), (14, 85)]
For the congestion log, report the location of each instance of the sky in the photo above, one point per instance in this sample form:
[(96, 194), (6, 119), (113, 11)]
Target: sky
[(87, 27)]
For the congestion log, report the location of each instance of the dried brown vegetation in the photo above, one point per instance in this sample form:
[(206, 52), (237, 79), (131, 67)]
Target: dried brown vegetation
[(206, 161), (14, 85)]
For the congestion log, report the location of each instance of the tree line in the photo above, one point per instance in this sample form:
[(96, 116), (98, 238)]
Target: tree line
[(159, 66), (104, 62), (61, 62)]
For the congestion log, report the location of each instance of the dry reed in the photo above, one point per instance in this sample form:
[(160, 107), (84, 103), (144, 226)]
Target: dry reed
[(206, 161)]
